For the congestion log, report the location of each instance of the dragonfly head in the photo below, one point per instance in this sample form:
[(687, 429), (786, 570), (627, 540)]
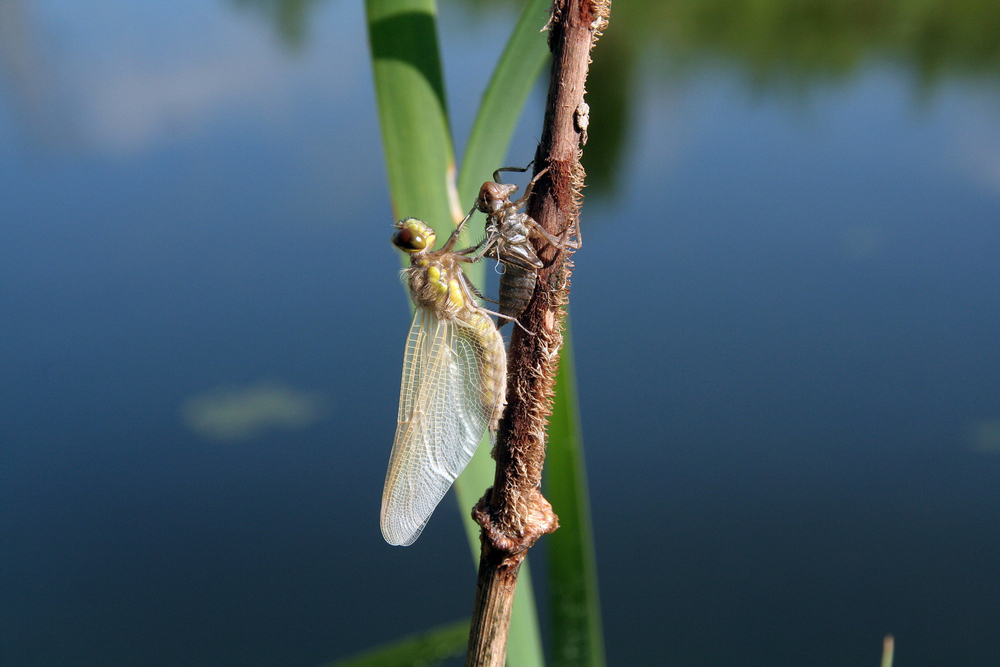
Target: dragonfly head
[(494, 196), (413, 236)]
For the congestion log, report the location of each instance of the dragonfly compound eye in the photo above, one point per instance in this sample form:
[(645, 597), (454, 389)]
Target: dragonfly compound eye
[(413, 235)]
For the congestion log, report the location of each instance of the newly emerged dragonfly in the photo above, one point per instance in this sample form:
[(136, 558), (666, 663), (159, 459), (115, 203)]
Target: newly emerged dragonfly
[(508, 234), (454, 382)]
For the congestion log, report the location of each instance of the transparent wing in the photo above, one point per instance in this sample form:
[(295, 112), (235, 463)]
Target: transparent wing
[(446, 402)]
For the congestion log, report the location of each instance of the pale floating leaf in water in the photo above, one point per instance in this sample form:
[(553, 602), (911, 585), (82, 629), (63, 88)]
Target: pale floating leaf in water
[(245, 413)]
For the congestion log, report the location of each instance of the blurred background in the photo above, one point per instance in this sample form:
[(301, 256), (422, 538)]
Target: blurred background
[(785, 319)]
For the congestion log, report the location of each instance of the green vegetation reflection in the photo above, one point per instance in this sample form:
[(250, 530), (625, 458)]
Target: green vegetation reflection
[(771, 43)]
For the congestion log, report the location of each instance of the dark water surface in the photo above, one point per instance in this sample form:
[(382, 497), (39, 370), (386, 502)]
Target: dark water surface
[(786, 318)]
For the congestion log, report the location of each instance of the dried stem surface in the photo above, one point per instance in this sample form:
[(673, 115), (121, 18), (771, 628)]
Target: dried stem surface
[(512, 513)]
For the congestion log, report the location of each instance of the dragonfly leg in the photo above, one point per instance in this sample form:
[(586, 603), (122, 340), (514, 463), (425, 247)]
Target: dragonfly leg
[(523, 328), (528, 188), (496, 174), (477, 251), (458, 231), (561, 243)]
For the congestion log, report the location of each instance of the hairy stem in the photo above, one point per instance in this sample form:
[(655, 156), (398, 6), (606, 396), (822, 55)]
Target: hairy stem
[(513, 513)]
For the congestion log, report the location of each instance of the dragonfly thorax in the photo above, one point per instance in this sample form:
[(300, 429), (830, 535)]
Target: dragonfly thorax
[(437, 283), (510, 241)]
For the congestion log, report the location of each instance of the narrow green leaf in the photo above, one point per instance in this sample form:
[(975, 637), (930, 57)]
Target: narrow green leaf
[(413, 113), (524, 639), (427, 648), (517, 71), (515, 74), (888, 648), (420, 162), (577, 638)]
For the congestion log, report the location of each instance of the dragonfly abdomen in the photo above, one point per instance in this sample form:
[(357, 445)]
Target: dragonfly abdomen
[(492, 363), (517, 284)]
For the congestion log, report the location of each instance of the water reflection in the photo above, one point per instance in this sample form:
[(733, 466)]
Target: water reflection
[(984, 436), (123, 86), (31, 82), (777, 43), (290, 17), (785, 39), (802, 259), (783, 45)]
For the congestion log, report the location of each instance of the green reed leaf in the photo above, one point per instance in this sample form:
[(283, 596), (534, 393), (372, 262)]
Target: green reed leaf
[(420, 650), (577, 638), (515, 75), (524, 639), (412, 108)]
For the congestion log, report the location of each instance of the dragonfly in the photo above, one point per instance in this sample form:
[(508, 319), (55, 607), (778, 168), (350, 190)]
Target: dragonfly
[(508, 240), (454, 382)]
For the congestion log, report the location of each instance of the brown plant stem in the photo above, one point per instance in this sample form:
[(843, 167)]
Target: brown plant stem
[(513, 513)]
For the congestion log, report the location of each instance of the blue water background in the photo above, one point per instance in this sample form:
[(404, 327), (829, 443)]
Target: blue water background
[(785, 319)]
